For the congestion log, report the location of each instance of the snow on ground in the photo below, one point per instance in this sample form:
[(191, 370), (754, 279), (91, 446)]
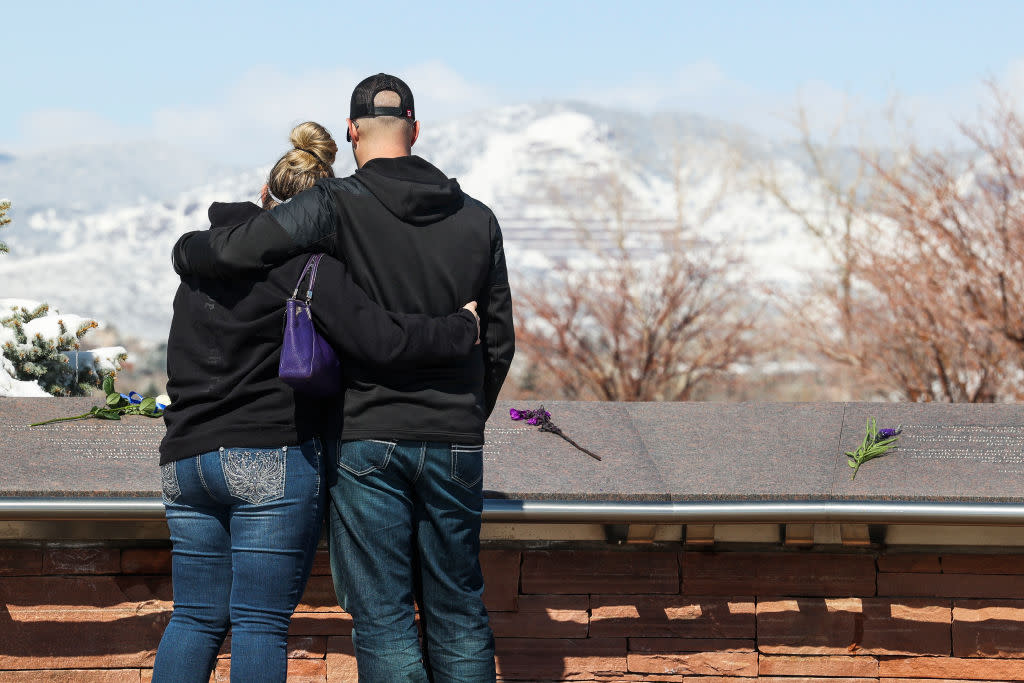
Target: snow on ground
[(9, 386)]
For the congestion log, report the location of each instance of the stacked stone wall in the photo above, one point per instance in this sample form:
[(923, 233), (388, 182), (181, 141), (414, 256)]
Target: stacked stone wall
[(95, 614)]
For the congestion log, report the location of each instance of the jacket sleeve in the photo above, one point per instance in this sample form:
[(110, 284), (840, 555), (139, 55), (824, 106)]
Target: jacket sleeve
[(496, 327), (361, 329), (306, 224)]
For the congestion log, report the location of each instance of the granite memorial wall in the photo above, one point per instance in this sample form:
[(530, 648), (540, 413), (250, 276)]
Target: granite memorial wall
[(84, 595)]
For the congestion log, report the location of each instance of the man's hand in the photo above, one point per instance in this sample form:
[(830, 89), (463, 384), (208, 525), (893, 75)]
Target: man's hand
[(471, 307)]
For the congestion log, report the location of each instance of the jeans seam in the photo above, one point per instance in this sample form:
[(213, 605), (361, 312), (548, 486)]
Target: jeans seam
[(423, 460), (199, 469), (319, 462), (284, 474)]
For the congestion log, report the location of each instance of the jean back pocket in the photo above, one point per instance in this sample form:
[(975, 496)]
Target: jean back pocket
[(362, 457), (467, 464), (255, 475)]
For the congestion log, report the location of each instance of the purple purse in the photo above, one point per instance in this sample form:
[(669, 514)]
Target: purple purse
[(308, 363)]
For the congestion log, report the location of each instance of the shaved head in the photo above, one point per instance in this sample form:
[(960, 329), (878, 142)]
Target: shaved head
[(382, 121)]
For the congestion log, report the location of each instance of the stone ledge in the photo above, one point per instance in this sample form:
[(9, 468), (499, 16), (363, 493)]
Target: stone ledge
[(653, 453)]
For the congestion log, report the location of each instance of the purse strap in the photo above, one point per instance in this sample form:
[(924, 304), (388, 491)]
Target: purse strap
[(310, 268)]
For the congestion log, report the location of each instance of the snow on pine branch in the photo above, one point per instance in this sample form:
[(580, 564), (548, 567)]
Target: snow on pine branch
[(40, 352)]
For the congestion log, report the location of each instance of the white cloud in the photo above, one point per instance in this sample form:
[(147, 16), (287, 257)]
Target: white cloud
[(253, 118), (702, 87), (441, 93), (250, 122), (1013, 80), (51, 128), (694, 87)]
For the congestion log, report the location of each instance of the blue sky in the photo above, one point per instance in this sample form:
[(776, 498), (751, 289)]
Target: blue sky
[(222, 76)]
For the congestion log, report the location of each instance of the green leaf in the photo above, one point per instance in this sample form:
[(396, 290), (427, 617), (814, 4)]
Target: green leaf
[(148, 405), (870, 448), (113, 400), (108, 385)]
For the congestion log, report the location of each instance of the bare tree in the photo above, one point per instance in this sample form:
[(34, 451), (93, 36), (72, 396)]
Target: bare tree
[(928, 298), (651, 310), (959, 261), (836, 205)]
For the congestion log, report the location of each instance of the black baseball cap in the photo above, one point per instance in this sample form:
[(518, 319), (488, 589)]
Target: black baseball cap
[(362, 98)]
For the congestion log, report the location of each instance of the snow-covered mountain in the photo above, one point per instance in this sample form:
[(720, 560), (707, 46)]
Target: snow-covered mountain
[(99, 242)]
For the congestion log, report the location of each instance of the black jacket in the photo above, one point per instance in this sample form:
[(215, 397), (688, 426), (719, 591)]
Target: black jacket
[(417, 244), (225, 345)]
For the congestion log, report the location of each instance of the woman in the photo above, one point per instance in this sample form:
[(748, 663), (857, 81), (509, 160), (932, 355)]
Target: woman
[(241, 463)]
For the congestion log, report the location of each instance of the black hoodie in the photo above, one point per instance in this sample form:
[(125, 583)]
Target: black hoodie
[(225, 344), (417, 244)]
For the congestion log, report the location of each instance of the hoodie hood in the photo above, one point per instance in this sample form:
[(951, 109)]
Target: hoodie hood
[(231, 213), (412, 189)]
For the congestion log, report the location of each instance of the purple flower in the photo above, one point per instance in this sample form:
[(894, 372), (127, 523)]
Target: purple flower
[(887, 433), (542, 419)]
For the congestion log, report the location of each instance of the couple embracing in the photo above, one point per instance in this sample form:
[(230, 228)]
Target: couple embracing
[(249, 466)]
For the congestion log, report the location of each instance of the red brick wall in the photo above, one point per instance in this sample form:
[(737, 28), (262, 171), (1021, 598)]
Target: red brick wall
[(96, 614)]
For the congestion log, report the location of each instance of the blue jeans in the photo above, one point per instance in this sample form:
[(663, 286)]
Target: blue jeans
[(405, 524), (244, 525)]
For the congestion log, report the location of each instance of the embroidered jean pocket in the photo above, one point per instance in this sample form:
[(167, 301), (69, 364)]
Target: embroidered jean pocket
[(467, 464), (170, 491), (255, 475), (362, 457)]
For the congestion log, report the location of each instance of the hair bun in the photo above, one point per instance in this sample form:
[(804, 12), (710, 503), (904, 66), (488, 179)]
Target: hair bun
[(312, 137)]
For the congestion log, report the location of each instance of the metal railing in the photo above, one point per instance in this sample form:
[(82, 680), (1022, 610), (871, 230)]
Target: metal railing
[(597, 512)]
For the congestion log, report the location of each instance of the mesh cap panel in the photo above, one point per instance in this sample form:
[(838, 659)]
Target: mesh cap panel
[(362, 98)]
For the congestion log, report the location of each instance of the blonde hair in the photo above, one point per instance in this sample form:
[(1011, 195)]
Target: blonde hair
[(309, 160)]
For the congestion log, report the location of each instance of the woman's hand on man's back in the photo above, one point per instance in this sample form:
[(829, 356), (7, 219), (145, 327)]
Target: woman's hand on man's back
[(471, 307)]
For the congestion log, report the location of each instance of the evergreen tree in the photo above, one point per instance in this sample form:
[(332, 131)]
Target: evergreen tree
[(5, 205), (45, 359)]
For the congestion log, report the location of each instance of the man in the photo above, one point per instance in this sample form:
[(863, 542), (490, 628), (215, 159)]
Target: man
[(406, 495)]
